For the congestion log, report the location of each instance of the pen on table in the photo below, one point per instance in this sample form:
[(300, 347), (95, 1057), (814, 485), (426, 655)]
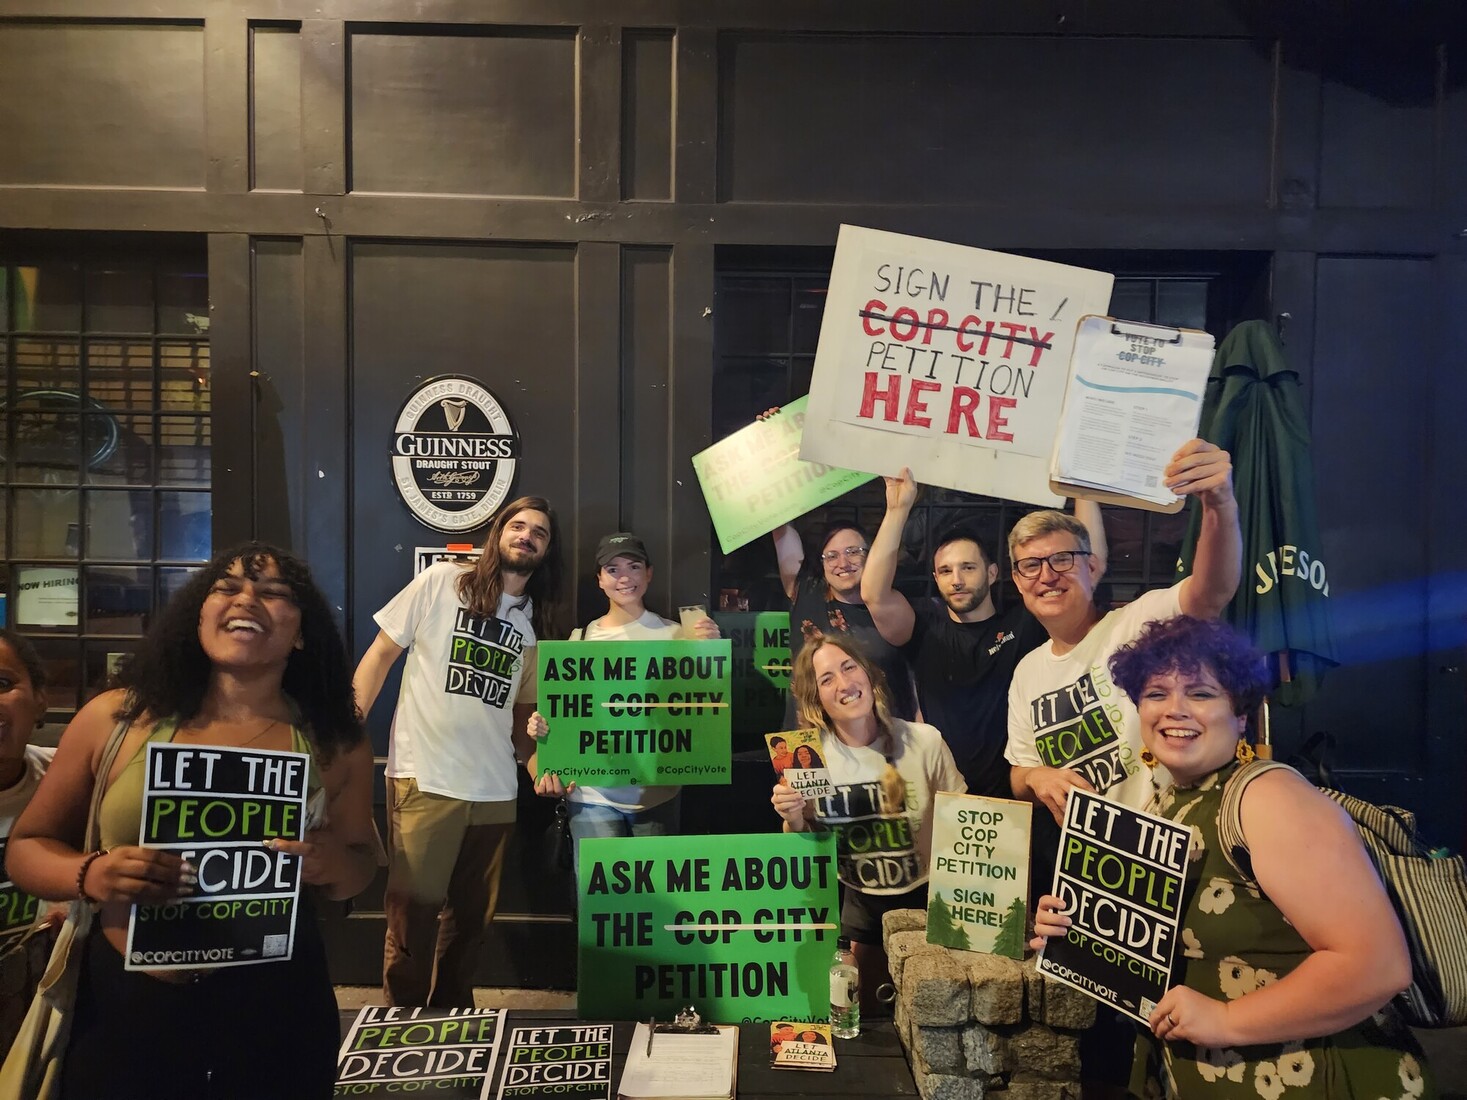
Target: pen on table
[(651, 1030)]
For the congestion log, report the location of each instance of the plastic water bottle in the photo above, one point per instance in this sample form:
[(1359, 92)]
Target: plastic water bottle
[(845, 992)]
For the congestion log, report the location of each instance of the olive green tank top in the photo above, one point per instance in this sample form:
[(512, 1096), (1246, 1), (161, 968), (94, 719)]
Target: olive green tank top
[(121, 815)]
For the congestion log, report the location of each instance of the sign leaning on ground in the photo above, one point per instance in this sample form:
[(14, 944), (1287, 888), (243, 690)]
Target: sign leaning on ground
[(449, 1052), (979, 888), (741, 926), (1120, 875), (454, 453), (216, 808), (636, 713)]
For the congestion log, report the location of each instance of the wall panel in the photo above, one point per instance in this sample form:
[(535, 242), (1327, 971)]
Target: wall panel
[(645, 403), (647, 115), (1373, 338), (1452, 142), (283, 412), (128, 113), (1379, 150), (503, 313), (275, 108), (961, 119), (463, 113)]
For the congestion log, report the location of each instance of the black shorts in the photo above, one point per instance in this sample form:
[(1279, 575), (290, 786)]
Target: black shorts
[(861, 913)]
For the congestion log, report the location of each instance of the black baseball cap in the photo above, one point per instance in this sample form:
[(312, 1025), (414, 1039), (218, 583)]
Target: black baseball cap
[(621, 544)]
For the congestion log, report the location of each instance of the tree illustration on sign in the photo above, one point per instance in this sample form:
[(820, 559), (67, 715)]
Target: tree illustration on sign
[(941, 929), (1010, 939)]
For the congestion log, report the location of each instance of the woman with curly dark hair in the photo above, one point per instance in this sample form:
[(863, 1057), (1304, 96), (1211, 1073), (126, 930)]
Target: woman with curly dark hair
[(246, 655), (1285, 971)]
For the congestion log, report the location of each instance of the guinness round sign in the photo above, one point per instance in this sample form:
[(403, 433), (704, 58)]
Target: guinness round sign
[(453, 453)]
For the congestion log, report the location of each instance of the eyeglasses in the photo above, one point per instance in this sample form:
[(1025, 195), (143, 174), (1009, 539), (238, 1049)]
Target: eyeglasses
[(1061, 561), (851, 553)]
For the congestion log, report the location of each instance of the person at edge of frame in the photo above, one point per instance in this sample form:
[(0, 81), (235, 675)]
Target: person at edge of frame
[(246, 655), (25, 945)]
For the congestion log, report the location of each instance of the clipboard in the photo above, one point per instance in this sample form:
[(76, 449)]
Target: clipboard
[(1134, 396), (683, 1060)]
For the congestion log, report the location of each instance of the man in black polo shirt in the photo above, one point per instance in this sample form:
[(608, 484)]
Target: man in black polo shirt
[(962, 651)]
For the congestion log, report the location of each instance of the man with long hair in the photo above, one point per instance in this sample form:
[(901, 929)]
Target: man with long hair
[(458, 733)]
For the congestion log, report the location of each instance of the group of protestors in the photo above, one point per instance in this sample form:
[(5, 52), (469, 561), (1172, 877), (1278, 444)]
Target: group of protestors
[(1283, 981), (248, 655), (909, 698)]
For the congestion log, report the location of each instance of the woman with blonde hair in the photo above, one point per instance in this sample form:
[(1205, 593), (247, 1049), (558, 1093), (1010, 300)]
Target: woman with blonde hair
[(885, 772)]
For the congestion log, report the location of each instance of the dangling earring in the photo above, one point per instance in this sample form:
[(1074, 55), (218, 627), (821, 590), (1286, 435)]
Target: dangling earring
[(1148, 758), (893, 786), (1245, 753)]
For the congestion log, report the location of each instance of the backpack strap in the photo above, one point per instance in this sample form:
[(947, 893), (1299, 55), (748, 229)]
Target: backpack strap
[(1230, 816), (579, 634)]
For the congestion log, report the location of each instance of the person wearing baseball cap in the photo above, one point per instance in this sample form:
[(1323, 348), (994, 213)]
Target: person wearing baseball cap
[(623, 573), (622, 544)]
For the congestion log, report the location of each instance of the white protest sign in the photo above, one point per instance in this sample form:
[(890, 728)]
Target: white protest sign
[(979, 888), (949, 359)]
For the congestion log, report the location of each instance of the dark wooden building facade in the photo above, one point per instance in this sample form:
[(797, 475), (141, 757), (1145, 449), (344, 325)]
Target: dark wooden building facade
[(617, 214)]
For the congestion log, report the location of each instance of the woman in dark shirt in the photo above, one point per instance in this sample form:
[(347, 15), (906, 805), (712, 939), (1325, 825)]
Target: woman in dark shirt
[(825, 594)]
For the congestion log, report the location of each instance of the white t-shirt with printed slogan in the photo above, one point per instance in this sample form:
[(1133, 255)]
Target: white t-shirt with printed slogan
[(1066, 712), (884, 849), (452, 727), (18, 913)]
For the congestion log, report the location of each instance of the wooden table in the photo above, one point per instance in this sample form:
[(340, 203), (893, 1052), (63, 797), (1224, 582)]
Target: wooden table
[(871, 1066)]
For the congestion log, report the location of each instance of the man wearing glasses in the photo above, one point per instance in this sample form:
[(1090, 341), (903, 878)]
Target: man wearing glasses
[(1069, 726), (963, 651)]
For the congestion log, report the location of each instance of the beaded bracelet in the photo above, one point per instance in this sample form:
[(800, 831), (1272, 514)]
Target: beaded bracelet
[(81, 874)]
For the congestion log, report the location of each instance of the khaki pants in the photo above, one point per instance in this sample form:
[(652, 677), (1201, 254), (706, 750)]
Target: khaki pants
[(446, 856)]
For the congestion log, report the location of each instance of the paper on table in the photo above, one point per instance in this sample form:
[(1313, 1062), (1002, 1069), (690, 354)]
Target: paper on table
[(680, 1065), (1135, 396)]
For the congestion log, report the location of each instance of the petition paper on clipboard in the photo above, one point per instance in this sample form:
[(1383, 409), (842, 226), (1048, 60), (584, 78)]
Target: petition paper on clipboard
[(1135, 396)]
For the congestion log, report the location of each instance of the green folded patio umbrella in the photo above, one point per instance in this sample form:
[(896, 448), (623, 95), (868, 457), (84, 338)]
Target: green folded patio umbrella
[(1253, 410)]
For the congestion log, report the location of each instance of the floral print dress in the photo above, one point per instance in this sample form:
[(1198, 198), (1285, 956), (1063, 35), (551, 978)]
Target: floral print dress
[(1233, 941)]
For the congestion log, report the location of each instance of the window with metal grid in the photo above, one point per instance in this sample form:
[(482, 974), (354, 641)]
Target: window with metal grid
[(107, 426)]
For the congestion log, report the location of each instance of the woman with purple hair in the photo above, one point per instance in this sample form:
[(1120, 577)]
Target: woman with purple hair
[(1284, 979)]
